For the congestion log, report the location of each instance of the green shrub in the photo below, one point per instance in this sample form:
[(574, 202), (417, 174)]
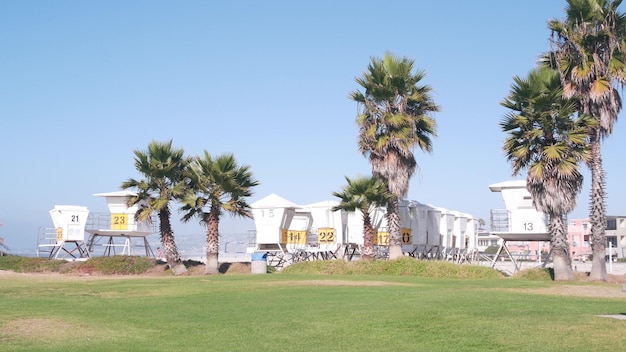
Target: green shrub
[(491, 250), (121, 265), (118, 265), (401, 267), (539, 274), (29, 265)]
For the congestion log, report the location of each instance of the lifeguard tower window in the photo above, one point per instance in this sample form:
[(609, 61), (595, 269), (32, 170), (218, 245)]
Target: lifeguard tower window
[(499, 220)]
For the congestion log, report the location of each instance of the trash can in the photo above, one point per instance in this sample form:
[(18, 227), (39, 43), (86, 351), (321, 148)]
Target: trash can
[(259, 263)]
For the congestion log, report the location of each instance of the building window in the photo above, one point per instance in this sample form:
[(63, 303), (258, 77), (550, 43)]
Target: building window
[(611, 224), (612, 240)]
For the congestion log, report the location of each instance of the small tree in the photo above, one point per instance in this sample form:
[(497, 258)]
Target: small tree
[(363, 194)]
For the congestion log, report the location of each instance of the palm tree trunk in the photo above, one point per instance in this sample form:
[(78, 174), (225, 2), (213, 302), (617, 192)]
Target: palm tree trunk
[(598, 212), (169, 244), (368, 252), (393, 226), (212, 243), (560, 249)]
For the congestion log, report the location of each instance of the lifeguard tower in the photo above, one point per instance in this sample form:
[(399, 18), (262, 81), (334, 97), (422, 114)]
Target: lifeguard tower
[(434, 236), (67, 239), (273, 216), (446, 231), (414, 228), (328, 230), (520, 221), (117, 232)]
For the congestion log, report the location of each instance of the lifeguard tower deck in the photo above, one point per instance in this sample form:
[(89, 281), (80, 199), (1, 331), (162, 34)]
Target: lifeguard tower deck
[(117, 232), (520, 221)]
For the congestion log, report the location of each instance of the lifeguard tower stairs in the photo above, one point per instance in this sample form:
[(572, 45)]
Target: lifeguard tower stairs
[(519, 222), (67, 239), (117, 232)]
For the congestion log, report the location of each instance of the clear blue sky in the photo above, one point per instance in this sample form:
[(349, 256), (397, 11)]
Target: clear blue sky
[(84, 83)]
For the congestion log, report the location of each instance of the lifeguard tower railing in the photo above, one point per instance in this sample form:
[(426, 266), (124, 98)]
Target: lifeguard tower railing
[(500, 220), (104, 221), (46, 241)]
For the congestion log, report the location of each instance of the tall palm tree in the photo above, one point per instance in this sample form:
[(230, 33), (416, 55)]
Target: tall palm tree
[(363, 194), (162, 168), (544, 137), (217, 184), (589, 49), (393, 119)]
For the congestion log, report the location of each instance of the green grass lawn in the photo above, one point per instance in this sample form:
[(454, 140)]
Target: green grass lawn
[(298, 312)]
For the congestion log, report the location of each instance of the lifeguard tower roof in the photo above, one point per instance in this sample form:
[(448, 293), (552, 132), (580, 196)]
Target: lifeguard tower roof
[(498, 187), (116, 194), (273, 201)]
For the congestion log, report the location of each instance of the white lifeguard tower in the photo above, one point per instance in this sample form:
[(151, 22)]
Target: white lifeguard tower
[(434, 237), (446, 230), (419, 228), (67, 239), (520, 221), (273, 216), (328, 230), (118, 230)]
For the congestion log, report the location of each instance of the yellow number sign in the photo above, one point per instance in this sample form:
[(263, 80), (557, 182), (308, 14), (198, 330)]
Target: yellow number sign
[(381, 238), (119, 221), (293, 236), (326, 235), (59, 234), (406, 236)]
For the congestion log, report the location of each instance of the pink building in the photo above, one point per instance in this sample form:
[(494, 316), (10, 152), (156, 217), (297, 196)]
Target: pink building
[(578, 237)]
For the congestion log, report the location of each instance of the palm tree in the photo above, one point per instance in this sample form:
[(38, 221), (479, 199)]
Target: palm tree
[(217, 184), (3, 243), (393, 118), (544, 138), (163, 170), (589, 49), (363, 194)]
